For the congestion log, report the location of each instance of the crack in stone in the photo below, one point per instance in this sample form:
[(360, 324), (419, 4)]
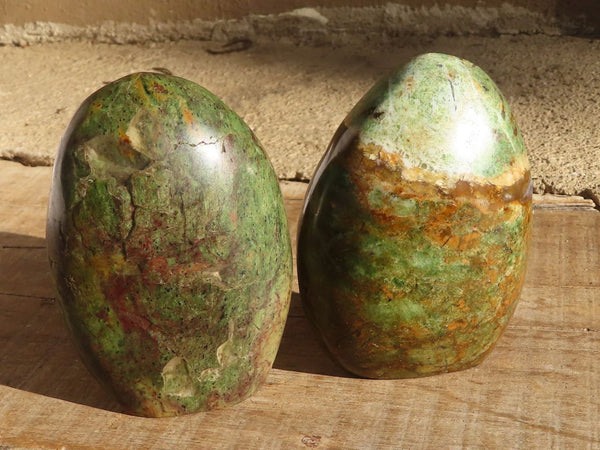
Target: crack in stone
[(453, 95), (184, 215), (215, 142), (129, 187)]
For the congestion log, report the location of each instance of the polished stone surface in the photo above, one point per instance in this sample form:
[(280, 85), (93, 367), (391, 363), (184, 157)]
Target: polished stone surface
[(169, 245), (413, 241)]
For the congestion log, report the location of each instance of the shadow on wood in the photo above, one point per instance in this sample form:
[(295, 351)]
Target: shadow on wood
[(301, 350), (36, 351)]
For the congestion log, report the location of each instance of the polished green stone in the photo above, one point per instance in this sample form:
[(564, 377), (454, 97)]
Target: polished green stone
[(413, 240), (169, 246)]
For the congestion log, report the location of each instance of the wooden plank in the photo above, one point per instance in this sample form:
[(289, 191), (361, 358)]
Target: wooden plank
[(549, 201), (540, 387)]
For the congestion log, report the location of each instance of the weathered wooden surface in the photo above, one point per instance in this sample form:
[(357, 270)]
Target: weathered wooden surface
[(540, 387)]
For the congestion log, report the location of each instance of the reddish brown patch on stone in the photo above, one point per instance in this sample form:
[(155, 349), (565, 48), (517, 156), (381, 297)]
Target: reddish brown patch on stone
[(159, 88)]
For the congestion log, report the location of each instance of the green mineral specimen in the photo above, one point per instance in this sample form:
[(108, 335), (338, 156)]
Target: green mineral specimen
[(413, 241), (169, 246)]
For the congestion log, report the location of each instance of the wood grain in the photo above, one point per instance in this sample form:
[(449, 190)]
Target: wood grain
[(539, 388)]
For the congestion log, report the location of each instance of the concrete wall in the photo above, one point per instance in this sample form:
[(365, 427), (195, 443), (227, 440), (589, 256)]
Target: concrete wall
[(91, 12)]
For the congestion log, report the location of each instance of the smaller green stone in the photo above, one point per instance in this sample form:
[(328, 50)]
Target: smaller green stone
[(169, 246)]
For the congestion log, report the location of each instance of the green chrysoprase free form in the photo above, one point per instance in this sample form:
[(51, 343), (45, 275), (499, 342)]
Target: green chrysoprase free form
[(415, 229), (169, 245)]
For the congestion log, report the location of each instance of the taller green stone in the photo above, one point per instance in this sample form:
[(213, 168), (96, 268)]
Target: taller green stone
[(169, 245), (414, 235)]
